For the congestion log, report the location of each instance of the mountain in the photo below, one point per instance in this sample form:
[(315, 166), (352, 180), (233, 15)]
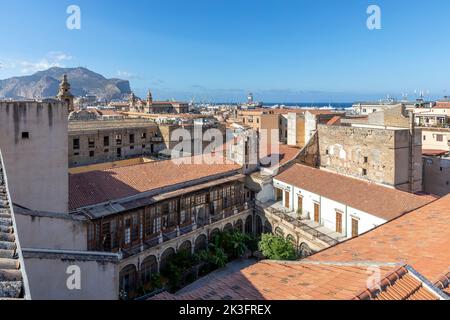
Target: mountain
[(44, 84)]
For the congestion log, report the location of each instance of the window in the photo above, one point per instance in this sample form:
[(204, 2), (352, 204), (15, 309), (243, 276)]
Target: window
[(338, 222), (366, 160), (91, 154), (106, 151), (364, 172), (119, 153), (25, 135), (106, 141), (131, 147), (76, 144), (91, 142), (143, 146), (355, 224), (327, 152), (76, 153), (144, 135), (132, 138), (374, 110), (439, 137), (424, 138), (118, 139), (364, 110)]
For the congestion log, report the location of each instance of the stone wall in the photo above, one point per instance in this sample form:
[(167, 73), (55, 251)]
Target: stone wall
[(374, 154)]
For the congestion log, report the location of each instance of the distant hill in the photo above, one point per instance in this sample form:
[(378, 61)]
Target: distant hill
[(44, 84)]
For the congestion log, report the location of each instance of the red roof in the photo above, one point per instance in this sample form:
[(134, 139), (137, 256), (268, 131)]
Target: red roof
[(434, 152), (90, 188), (358, 194)]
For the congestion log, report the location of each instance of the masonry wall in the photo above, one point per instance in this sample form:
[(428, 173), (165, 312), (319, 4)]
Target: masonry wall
[(33, 140), (436, 175), (98, 152), (373, 154)]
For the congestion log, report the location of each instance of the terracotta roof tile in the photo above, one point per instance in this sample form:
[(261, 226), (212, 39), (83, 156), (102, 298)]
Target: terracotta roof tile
[(94, 187), (354, 192), (420, 239)]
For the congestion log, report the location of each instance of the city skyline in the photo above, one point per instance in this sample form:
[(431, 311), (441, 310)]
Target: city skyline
[(282, 52)]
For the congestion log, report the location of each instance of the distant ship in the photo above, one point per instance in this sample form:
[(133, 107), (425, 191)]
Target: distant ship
[(251, 104)]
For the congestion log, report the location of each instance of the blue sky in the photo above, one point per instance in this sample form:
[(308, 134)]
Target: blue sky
[(281, 50)]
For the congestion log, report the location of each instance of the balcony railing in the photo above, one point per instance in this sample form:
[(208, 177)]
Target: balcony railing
[(297, 223), (173, 234)]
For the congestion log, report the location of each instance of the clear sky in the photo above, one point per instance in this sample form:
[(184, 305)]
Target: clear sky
[(219, 50)]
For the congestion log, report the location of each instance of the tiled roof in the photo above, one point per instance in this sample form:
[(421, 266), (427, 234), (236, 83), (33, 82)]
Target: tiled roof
[(11, 286), (334, 121), (383, 202), (95, 187), (399, 285), (434, 152), (271, 280), (409, 252), (420, 239)]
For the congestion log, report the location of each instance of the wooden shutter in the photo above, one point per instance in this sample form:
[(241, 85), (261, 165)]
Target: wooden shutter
[(338, 222), (317, 212), (355, 231)]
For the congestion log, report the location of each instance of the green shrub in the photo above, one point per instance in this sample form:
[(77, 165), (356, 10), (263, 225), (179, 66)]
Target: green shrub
[(277, 248)]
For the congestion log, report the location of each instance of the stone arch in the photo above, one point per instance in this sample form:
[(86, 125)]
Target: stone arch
[(304, 251), (291, 239), (128, 281), (185, 246), (258, 225), (149, 267), (213, 233), (239, 225), (228, 227), (249, 225), (201, 243), (268, 227), (279, 232), (165, 257)]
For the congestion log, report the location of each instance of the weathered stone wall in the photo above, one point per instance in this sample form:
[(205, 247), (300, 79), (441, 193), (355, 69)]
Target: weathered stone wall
[(377, 155)]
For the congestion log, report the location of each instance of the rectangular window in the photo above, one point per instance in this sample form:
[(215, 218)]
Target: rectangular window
[(25, 135), (76, 144), (91, 142), (144, 135), (439, 137), (132, 138), (300, 204), (118, 139), (366, 160), (91, 154), (424, 138), (355, 227), (119, 152), (338, 222), (106, 151), (131, 147), (364, 172), (106, 141)]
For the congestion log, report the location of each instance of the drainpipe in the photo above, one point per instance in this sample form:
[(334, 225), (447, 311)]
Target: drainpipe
[(411, 152)]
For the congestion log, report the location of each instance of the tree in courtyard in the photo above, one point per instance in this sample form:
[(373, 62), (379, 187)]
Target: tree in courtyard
[(277, 248)]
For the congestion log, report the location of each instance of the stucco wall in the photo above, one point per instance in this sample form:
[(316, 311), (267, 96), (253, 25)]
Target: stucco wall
[(328, 208), (51, 232), (37, 165), (48, 278)]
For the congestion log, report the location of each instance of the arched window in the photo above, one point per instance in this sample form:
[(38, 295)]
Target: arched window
[(249, 225), (128, 282), (200, 243), (149, 267)]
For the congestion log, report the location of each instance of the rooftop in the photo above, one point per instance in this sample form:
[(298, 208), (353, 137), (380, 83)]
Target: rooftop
[(353, 192), (420, 238), (95, 187), (75, 126), (411, 256)]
